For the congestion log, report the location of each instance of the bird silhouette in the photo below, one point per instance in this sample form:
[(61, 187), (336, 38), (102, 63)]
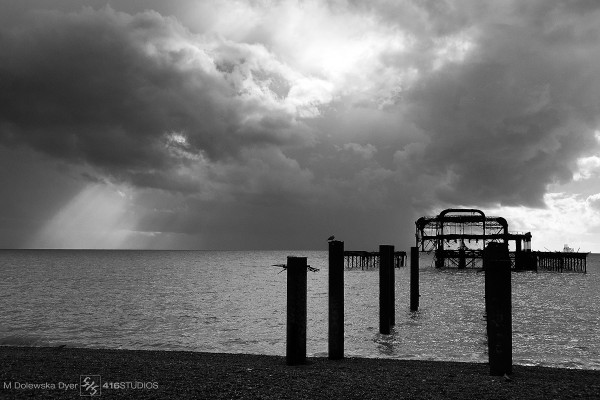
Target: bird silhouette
[(330, 238)]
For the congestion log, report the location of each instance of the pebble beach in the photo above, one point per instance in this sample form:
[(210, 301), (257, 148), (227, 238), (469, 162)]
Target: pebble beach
[(60, 373)]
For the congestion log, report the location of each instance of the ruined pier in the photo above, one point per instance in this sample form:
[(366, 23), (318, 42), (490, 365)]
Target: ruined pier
[(557, 261), (370, 259), (458, 237)]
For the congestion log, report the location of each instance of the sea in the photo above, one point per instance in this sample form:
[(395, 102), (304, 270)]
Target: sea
[(235, 302)]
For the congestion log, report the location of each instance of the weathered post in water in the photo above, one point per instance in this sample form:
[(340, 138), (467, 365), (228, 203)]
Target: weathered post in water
[(336, 300), (496, 263), (386, 262), (414, 279), (296, 311), (392, 287)]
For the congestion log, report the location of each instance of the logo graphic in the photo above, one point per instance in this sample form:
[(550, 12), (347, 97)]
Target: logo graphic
[(90, 385)]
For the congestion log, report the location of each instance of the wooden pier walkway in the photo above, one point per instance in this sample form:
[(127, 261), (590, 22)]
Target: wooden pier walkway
[(370, 259), (558, 261), (550, 261)]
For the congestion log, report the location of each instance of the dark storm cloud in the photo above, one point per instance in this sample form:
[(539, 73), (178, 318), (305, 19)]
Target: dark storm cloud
[(136, 96), (515, 115), (504, 101)]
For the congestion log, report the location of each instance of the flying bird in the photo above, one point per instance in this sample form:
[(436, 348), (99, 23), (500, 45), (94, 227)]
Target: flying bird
[(330, 238)]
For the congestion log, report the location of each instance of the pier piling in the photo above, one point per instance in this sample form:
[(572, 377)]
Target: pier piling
[(392, 287), (414, 279), (386, 254), (296, 311), (370, 259), (496, 263), (336, 300), (557, 261)]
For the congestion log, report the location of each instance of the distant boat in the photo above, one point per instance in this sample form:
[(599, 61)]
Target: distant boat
[(568, 249)]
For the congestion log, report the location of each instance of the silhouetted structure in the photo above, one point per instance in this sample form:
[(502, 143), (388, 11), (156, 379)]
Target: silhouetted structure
[(458, 236), (387, 283), (370, 259), (560, 261), (296, 311), (498, 307), (336, 300), (414, 279)]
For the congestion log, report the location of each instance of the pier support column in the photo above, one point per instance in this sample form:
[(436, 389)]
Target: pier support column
[(296, 311), (496, 263), (392, 287), (519, 258), (386, 261), (336, 300), (414, 279), (462, 259)]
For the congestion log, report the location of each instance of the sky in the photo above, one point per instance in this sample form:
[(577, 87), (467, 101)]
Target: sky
[(258, 124)]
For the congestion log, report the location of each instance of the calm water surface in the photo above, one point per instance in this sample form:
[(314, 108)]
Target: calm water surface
[(234, 301)]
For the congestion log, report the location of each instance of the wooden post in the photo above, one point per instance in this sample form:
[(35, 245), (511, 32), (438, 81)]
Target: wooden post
[(414, 279), (296, 311), (496, 263), (385, 263), (392, 286), (336, 300)]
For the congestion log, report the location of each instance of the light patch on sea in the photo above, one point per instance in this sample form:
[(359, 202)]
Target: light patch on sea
[(235, 302)]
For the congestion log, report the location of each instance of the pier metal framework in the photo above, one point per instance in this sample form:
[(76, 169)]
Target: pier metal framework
[(458, 236)]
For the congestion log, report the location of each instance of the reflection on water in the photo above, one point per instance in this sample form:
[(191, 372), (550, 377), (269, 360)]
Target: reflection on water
[(235, 302)]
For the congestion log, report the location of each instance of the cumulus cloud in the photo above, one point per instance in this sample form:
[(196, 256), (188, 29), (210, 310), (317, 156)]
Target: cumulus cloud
[(512, 117), (588, 167), (365, 151), (110, 89), (568, 218), (593, 202)]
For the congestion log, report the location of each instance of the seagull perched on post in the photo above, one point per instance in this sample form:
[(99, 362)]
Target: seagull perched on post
[(330, 238)]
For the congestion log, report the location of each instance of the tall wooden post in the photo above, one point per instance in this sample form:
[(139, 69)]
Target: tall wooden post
[(496, 263), (414, 279), (386, 255), (392, 286), (296, 311), (336, 300)]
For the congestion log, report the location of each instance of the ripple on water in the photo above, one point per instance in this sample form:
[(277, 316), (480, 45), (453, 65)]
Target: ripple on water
[(236, 302)]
